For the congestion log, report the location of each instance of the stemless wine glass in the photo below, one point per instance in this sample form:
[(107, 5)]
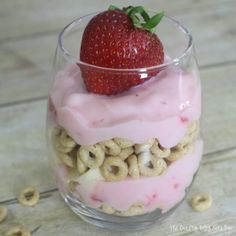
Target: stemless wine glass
[(125, 161)]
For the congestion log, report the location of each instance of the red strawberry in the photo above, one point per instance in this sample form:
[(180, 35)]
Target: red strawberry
[(117, 39)]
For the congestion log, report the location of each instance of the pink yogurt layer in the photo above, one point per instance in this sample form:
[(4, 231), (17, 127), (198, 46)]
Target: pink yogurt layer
[(162, 192), (161, 107)]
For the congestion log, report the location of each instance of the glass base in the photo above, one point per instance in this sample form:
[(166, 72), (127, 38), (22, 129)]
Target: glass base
[(116, 223)]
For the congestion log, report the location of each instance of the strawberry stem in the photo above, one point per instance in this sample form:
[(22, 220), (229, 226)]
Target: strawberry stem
[(127, 10), (139, 9), (149, 23), (112, 8)]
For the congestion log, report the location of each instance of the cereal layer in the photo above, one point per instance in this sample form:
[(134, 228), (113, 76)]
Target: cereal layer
[(118, 158)]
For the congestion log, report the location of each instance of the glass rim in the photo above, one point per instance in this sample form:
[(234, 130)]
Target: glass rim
[(175, 61)]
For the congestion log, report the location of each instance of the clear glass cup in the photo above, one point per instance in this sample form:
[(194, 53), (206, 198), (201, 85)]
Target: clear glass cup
[(124, 162)]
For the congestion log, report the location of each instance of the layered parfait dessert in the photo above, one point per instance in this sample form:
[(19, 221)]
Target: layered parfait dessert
[(125, 139)]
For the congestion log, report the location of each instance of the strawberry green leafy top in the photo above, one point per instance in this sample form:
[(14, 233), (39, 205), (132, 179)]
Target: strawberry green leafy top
[(149, 22)]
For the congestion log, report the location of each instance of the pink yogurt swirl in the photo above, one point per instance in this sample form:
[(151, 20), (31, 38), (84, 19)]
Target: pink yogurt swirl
[(161, 107)]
